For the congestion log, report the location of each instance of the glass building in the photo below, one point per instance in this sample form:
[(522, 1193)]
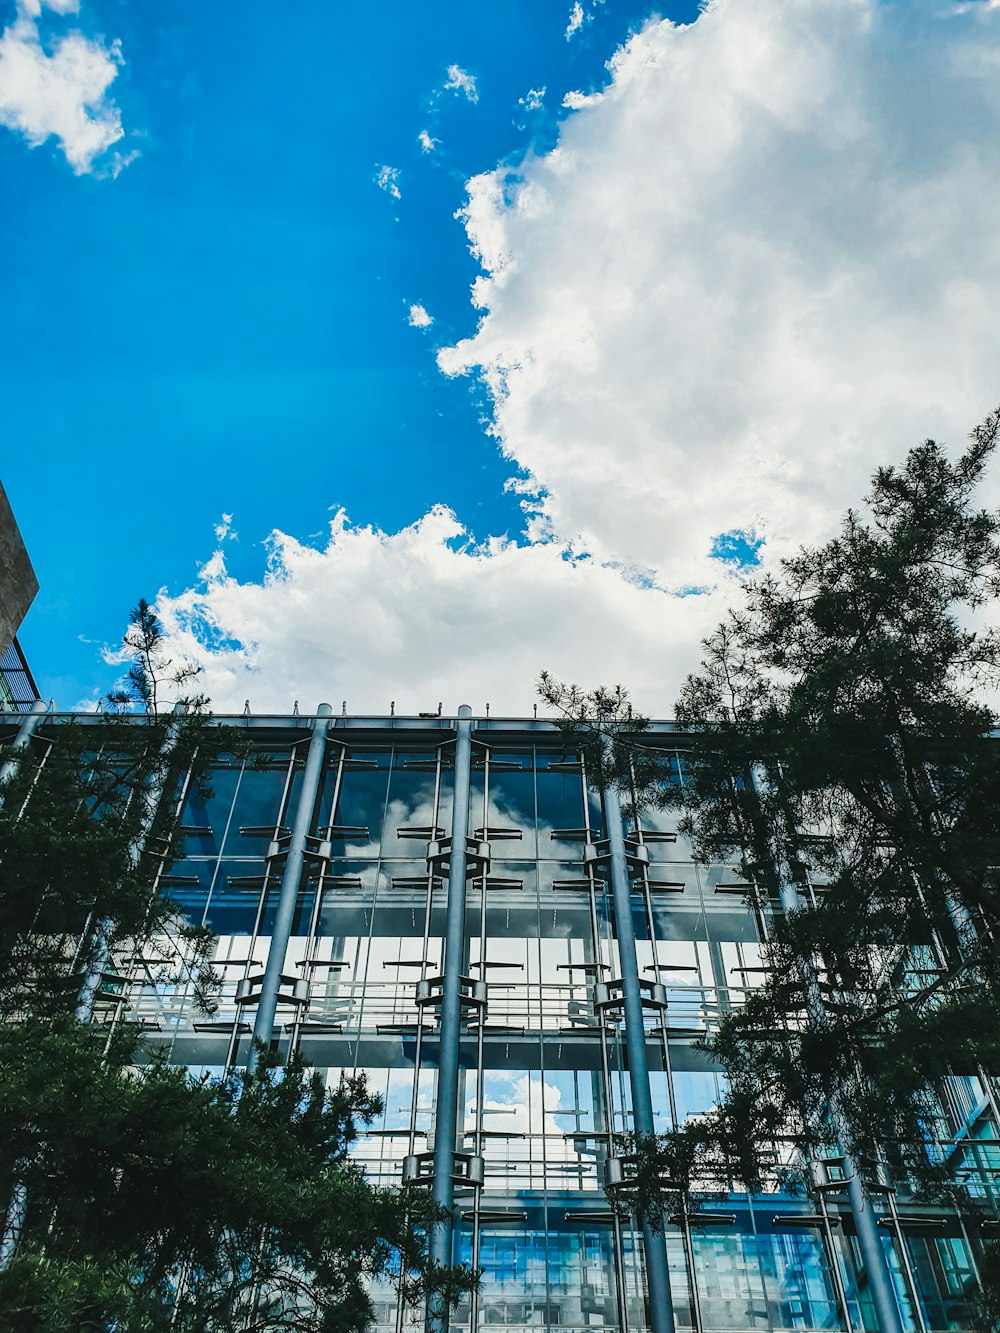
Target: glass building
[(447, 905)]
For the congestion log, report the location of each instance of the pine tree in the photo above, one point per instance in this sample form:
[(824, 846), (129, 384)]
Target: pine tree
[(841, 751)]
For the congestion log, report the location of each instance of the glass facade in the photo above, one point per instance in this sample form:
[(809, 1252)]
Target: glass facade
[(543, 1081)]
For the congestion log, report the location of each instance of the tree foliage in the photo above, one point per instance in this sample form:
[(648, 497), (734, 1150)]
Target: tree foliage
[(160, 1199), (602, 726), (841, 752), (83, 831), (841, 744), (147, 1197)]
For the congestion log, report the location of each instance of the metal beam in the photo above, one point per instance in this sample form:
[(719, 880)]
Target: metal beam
[(862, 1207), (863, 1211), (661, 1307), (24, 734), (446, 1097), (291, 878)]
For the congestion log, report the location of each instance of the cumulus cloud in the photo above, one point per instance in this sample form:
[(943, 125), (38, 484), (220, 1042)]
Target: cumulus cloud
[(59, 89), (418, 318), (427, 141), (387, 179), (419, 616), (461, 81), (752, 268)]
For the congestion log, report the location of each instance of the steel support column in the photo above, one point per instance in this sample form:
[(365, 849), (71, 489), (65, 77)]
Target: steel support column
[(661, 1309), (24, 734), (446, 1099), (863, 1211), (872, 1253), (13, 1224), (291, 878)]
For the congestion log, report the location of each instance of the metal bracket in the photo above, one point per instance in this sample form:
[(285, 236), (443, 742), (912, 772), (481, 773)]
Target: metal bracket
[(318, 851), (477, 857), (277, 848), (610, 995), (620, 1171), (430, 992), (597, 858), (467, 1169), (294, 990), (491, 833)]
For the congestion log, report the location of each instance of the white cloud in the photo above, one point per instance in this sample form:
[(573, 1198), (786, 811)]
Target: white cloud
[(427, 142), (753, 268), (33, 8), (461, 81), (532, 99), (387, 179), (574, 99), (224, 529), (418, 318), (580, 15), (522, 1104), (416, 617), (59, 89)]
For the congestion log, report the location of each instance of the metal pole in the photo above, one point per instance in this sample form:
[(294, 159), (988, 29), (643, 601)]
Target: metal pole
[(13, 1224), (24, 734), (675, 1123), (480, 1072), (833, 1258), (291, 878), (862, 1207), (606, 1123), (446, 1120), (872, 1253), (661, 1309), (418, 1045)]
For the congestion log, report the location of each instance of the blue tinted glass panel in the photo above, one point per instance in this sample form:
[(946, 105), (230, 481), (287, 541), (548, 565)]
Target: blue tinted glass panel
[(729, 1281), (512, 806), (210, 811), (235, 900), (560, 806), (797, 1278), (411, 805), (258, 801), (190, 898), (361, 803)]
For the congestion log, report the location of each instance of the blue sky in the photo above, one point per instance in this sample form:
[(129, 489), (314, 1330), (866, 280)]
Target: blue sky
[(223, 327), (651, 302)]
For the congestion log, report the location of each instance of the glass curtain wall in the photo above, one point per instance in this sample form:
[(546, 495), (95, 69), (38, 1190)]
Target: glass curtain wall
[(543, 1085)]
